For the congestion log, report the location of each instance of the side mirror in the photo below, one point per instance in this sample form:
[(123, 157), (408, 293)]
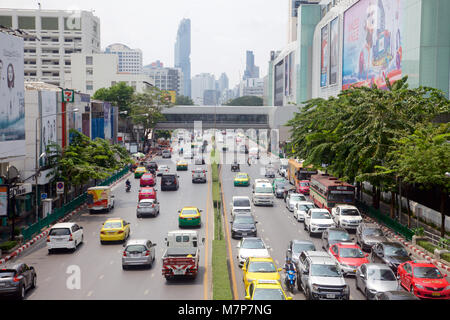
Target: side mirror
[(256, 222), (123, 245), (289, 250), (305, 272), (280, 269), (203, 240), (81, 227), (200, 210), (154, 245), (366, 255), (247, 297)]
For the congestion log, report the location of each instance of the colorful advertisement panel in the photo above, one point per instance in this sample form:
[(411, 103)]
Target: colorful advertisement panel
[(12, 102), (324, 53), (291, 71), (372, 43), (334, 50), (107, 120), (286, 76), (3, 201), (49, 103)]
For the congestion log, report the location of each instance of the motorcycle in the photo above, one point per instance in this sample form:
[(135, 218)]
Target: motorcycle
[(128, 188), (290, 280)]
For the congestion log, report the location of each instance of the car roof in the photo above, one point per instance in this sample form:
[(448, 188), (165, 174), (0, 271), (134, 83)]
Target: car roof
[(240, 198), (347, 245), (421, 263), (377, 266), (189, 208), (113, 219), (259, 259), (147, 200), (393, 243), (369, 225), (347, 206), (322, 259), (337, 229), (63, 225), (12, 266), (302, 241), (316, 254), (252, 238), (319, 210), (137, 241)]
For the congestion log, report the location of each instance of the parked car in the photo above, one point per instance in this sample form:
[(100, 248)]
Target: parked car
[(318, 220), (424, 280), (292, 199), (199, 175), (320, 278), (372, 278), (369, 234), (349, 256), (251, 247), (170, 181), (395, 295), (138, 252), (240, 205), (147, 207), (301, 208), (67, 235), (391, 253), (162, 169), (16, 279), (296, 247), (346, 216), (243, 226), (334, 235), (166, 154)]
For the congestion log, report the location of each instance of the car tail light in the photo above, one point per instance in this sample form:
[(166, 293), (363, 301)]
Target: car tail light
[(17, 278), (153, 205), (147, 253), (203, 171), (48, 238), (71, 238), (138, 206), (120, 231), (124, 253), (102, 232)]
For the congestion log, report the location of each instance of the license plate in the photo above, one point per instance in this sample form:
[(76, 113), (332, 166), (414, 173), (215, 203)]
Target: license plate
[(2, 284), (136, 255), (189, 218), (330, 296), (178, 272), (436, 294), (244, 233), (111, 232)]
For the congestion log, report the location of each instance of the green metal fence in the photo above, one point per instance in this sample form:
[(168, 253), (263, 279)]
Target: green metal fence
[(59, 213), (386, 220)]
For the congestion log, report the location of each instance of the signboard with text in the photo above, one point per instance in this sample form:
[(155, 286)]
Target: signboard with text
[(68, 95)]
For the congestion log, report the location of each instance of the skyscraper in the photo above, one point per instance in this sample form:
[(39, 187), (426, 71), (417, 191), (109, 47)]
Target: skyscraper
[(223, 82), (182, 54), (251, 70)]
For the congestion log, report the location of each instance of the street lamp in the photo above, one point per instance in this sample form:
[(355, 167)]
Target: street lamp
[(42, 155)]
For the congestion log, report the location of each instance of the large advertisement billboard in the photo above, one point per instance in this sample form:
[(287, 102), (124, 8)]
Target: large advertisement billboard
[(372, 43), (291, 71), (12, 102), (334, 50), (286, 75), (49, 103), (324, 53), (107, 120)]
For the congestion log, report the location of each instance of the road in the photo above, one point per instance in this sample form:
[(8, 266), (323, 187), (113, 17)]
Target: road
[(102, 276)]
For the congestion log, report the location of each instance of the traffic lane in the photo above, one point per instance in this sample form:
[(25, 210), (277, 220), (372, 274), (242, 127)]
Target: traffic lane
[(100, 265)]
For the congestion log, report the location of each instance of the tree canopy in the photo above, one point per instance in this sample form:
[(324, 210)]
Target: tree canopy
[(183, 101), (246, 101), (120, 95)]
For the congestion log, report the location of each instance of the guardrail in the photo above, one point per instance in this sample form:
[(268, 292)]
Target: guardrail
[(436, 240)]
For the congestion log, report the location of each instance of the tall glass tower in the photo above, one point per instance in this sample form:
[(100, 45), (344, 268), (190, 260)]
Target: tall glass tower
[(182, 54)]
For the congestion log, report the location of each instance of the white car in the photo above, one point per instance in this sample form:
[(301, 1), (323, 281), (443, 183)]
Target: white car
[(292, 199), (346, 216), (318, 220), (251, 247), (301, 208), (162, 169), (64, 236), (240, 205)]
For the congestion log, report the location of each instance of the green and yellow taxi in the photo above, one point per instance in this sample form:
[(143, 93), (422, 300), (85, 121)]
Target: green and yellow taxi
[(189, 217), (260, 269), (182, 165), (266, 290), (139, 172), (242, 179)]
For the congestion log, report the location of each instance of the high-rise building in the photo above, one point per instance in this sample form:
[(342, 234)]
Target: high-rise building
[(251, 70), (165, 78), (223, 82), (201, 83), (252, 87), (211, 97), (53, 36), (130, 60), (182, 54)]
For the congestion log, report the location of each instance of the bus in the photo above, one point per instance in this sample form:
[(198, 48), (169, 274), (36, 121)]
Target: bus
[(327, 191), (296, 172)]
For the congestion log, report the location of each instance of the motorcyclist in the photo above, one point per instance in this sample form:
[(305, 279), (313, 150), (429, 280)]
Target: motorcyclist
[(128, 183), (289, 266)]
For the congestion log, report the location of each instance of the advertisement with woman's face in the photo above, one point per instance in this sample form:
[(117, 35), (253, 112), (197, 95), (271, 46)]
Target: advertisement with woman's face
[(12, 103), (48, 113)]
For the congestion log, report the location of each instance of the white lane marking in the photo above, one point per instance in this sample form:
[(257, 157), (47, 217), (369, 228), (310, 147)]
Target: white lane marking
[(152, 275), (101, 277), (90, 293), (146, 292)]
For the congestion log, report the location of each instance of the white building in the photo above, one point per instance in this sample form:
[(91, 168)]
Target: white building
[(91, 72), (170, 79), (54, 35), (251, 87), (130, 60), (200, 83)]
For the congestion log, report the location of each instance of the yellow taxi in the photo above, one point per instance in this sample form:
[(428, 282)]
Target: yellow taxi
[(242, 179), (139, 172), (182, 165), (114, 229), (266, 290), (260, 269), (189, 217)]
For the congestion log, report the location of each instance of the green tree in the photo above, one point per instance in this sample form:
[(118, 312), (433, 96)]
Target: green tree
[(246, 101), (183, 101), (120, 95)]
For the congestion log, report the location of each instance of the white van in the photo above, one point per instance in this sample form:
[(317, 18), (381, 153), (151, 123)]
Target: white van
[(262, 193), (240, 205), (64, 236)]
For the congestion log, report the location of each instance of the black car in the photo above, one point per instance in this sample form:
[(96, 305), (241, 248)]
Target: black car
[(269, 172), (243, 226), (235, 167), (334, 235), (169, 181), (395, 295), (368, 235), (280, 187), (15, 280), (152, 166), (296, 247), (391, 253)]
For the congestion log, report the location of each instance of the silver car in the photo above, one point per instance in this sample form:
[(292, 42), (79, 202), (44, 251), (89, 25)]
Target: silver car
[(372, 278), (147, 207), (292, 199), (138, 253)]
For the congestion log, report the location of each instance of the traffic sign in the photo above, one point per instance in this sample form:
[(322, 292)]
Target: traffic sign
[(43, 196), (59, 187)]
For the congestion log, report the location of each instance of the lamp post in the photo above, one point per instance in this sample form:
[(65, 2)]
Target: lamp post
[(37, 168)]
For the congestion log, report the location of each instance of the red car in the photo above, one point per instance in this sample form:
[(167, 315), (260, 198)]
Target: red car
[(424, 280), (147, 193), (349, 256), (303, 187), (147, 179)]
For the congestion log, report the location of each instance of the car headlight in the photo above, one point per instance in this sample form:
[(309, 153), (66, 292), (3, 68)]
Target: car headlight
[(346, 289), (315, 287), (419, 286)]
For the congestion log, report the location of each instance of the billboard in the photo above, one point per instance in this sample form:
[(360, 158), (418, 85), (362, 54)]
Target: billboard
[(3, 200), (291, 70), (324, 54), (286, 75), (12, 102), (334, 50), (48, 118), (372, 43), (107, 120)]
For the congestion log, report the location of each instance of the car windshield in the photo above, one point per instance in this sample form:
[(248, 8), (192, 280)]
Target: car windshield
[(241, 203), (283, 166), (7, 273), (300, 247), (305, 207), (297, 197), (325, 270), (373, 232), (136, 248), (243, 220), (381, 274), (59, 232), (268, 294), (261, 266), (189, 211), (338, 235), (112, 225), (145, 204), (253, 244), (280, 184), (241, 176), (427, 273), (351, 253), (320, 215), (304, 184), (350, 212), (395, 251), (263, 190), (168, 178), (163, 167)]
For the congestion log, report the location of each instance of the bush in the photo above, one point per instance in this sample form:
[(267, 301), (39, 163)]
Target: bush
[(445, 256), (17, 231), (427, 245), (8, 245)]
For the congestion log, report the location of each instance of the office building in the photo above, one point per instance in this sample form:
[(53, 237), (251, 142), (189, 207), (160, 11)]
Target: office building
[(130, 60), (251, 70), (182, 54), (201, 83), (211, 97), (251, 87), (170, 79)]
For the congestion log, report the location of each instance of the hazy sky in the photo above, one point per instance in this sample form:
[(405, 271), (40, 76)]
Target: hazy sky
[(222, 30)]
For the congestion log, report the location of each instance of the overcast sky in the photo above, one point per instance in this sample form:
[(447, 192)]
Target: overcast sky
[(222, 30)]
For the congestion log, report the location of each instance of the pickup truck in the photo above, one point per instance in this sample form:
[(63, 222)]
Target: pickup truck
[(182, 256)]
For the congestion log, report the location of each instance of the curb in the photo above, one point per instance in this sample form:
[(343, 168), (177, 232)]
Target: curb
[(410, 246)]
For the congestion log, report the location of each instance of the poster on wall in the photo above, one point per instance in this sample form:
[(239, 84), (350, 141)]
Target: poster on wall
[(3, 201), (291, 71), (12, 103), (286, 76), (107, 120), (49, 103), (372, 43), (324, 44), (334, 50)]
